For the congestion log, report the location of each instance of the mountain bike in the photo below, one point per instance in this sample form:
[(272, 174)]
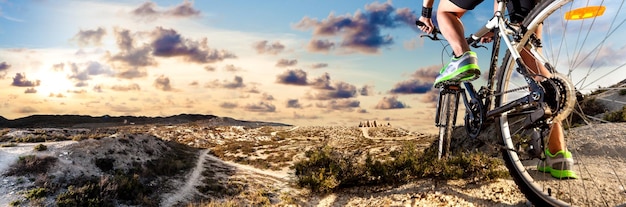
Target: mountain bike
[(581, 42)]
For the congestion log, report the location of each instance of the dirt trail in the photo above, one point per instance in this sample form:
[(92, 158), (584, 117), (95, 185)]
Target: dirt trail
[(189, 189)]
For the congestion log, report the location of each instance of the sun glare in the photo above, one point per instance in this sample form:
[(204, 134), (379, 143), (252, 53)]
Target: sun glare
[(53, 84)]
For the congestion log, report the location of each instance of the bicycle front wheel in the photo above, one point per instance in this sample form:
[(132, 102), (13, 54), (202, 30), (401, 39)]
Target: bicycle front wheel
[(447, 106), (588, 49)]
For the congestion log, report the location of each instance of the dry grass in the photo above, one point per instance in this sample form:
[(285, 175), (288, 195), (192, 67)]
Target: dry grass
[(31, 165)]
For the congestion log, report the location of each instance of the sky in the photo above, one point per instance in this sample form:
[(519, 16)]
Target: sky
[(302, 62)]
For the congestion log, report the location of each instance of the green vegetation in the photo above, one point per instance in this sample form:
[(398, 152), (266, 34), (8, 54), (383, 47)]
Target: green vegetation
[(41, 147), (622, 92), (37, 193), (616, 116), (326, 169), (31, 164), (15, 203), (12, 144)]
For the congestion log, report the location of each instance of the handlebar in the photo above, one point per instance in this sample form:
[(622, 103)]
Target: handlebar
[(470, 40)]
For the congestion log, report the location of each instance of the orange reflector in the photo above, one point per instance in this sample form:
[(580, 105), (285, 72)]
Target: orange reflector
[(585, 12)]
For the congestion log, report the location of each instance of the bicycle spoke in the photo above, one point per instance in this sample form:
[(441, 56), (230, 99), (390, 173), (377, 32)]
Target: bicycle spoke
[(589, 51)]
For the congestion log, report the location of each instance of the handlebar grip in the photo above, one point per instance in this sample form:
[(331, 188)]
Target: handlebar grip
[(435, 30)]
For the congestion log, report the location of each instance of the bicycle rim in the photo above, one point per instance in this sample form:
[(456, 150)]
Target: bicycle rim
[(591, 53), (447, 108)]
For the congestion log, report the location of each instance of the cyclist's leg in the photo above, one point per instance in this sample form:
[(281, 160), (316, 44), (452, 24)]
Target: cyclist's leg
[(448, 15), (556, 138), (464, 66)]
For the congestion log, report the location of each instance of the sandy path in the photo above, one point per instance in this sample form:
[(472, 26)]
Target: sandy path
[(189, 189), (276, 175)]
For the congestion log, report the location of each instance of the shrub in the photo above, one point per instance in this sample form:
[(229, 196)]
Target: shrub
[(622, 92), (87, 195), (31, 164), (103, 192), (9, 145), (41, 147), (326, 170), (15, 203), (616, 116), (37, 193)]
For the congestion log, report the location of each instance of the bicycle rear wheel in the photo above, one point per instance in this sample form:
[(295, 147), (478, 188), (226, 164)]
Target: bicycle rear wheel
[(590, 52)]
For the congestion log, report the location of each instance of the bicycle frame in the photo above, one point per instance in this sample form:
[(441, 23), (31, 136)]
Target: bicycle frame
[(485, 96)]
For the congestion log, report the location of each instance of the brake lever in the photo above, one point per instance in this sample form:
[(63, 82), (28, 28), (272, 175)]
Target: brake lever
[(476, 45), (433, 36)]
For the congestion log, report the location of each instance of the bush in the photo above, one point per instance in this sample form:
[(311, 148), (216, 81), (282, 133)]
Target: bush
[(41, 147), (616, 116), (31, 164), (327, 169), (37, 193), (103, 192), (622, 92), (9, 145)]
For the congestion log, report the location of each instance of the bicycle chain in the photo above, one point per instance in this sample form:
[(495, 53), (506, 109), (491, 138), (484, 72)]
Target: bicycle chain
[(508, 91)]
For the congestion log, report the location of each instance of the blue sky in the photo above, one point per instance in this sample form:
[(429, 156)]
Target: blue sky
[(243, 59)]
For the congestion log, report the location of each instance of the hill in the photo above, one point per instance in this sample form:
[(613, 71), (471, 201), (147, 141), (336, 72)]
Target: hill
[(84, 121)]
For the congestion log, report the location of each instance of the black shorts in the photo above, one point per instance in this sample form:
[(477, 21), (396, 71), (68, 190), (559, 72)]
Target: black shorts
[(519, 9), (466, 4)]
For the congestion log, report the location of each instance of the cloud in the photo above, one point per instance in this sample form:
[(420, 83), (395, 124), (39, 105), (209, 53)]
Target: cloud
[(4, 66), (90, 37), (343, 104), (146, 9), (91, 68), (228, 105), (322, 82), (320, 45), (267, 97), (431, 96), (58, 67), (341, 90), (360, 32), (163, 83), (26, 110), (319, 65), (260, 107), (168, 43), (150, 11), (286, 63), (123, 108), (262, 47), (183, 10), (293, 77), (30, 90), (237, 83), (132, 73), (58, 95), (129, 87), (390, 103), (97, 88), (231, 68), (130, 59), (293, 103), (366, 90), (209, 68), (421, 81), (21, 81)]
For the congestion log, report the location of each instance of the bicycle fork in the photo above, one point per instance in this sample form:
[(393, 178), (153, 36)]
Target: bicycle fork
[(445, 118)]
